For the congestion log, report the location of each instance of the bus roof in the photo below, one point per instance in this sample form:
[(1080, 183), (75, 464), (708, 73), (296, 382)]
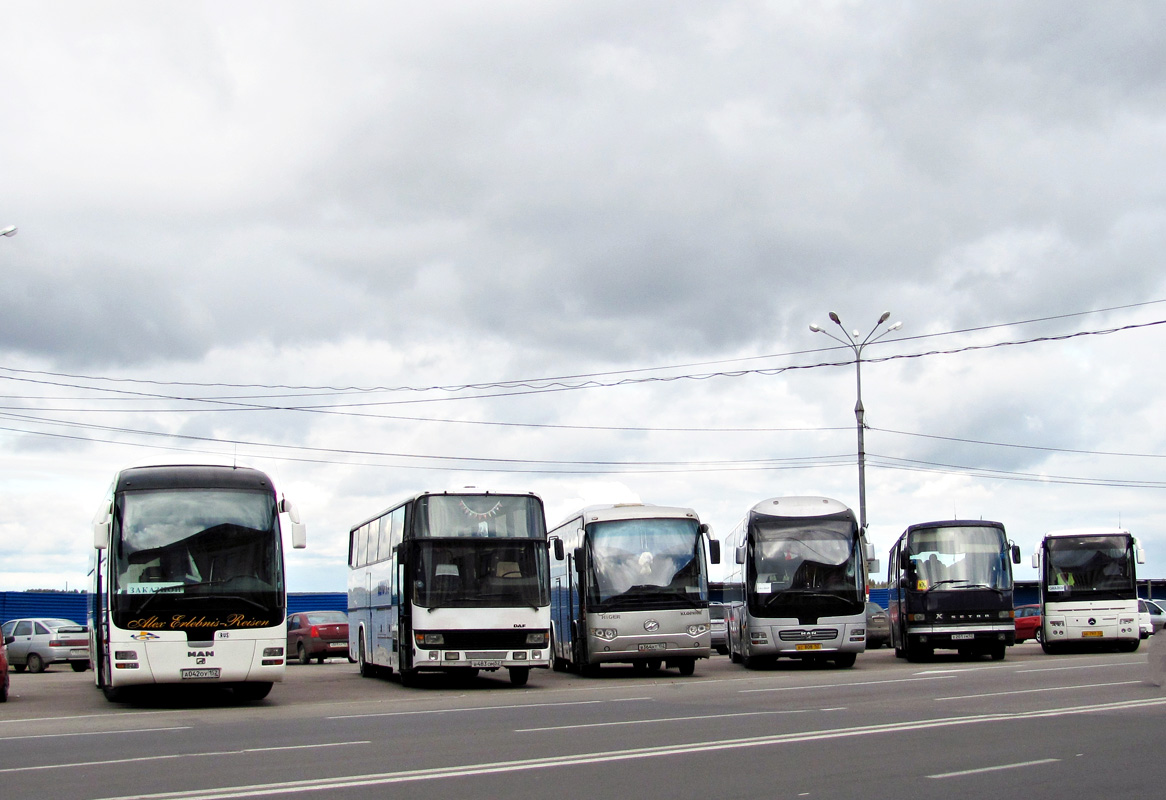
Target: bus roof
[(191, 476), (808, 506), (607, 512), (469, 490), (1088, 532), (956, 523)]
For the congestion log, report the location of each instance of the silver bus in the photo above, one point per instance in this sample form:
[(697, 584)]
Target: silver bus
[(632, 589)]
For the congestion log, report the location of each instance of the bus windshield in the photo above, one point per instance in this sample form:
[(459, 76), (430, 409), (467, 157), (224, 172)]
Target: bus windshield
[(1084, 564), (472, 516), (480, 573), (959, 557), (809, 565), (637, 560), (175, 545)]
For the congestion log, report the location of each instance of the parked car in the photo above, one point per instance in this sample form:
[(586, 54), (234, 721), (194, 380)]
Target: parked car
[(1028, 623), (318, 635), (1157, 609), (38, 643), (4, 669), (878, 626), (1150, 618), (720, 636)]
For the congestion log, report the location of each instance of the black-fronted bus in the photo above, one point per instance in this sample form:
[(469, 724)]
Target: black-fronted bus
[(951, 588), (452, 582), (798, 586), (188, 580)]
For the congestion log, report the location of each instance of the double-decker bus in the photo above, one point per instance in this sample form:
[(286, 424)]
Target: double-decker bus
[(633, 588), (799, 585), (1088, 588), (951, 588), (188, 580), (454, 582)]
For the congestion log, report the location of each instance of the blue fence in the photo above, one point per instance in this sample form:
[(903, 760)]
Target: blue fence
[(71, 605)]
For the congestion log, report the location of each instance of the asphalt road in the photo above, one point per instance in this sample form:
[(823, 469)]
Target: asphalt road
[(1033, 726)]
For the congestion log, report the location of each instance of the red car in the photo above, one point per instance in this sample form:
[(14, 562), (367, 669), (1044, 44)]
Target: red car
[(318, 635), (1027, 623)]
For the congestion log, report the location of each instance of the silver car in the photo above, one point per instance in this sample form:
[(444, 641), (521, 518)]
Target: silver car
[(38, 643), (720, 637)]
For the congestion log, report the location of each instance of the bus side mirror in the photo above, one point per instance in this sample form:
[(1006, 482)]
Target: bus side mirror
[(1036, 560), (578, 555), (1140, 554), (101, 527), (873, 565), (560, 551), (904, 561), (714, 551), (299, 531), (1015, 554), (741, 554)]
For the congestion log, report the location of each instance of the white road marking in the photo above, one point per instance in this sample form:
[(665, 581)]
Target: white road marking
[(1035, 691), (997, 768), (177, 755), (489, 708), (670, 719), (843, 685)]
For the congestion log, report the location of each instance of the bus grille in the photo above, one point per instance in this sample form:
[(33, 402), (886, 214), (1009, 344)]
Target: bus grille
[(815, 635), (488, 640)]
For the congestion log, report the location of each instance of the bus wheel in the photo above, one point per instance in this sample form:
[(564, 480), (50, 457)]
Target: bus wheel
[(408, 678), (687, 666), (252, 692), (112, 694), (366, 669), (998, 652), (1048, 647), (845, 660), (1122, 647), (519, 675)]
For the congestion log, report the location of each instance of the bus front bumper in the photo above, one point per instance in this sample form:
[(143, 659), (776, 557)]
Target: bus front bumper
[(953, 637), (480, 659)]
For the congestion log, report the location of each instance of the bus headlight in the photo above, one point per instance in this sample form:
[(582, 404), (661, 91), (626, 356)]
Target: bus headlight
[(1009, 614), (607, 634), (272, 652), (429, 639), (697, 630), (537, 639)]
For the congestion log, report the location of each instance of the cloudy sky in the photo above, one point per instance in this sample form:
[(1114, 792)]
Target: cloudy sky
[(575, 248)]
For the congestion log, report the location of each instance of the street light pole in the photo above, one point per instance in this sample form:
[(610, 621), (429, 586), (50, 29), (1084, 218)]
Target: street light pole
[(9, 231), (856, 345)]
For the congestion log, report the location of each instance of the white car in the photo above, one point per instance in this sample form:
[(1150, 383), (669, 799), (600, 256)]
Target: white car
[(1151, 617)]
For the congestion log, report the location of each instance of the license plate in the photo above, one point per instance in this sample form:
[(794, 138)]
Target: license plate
[(81, 653), (808, 647), (652, 646), (338, 644), (197, 674), (486, 663), (1092, 633), (963, 636)]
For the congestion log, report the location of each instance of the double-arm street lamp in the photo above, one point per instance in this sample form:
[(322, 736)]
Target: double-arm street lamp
[(9, 231), (852, 341)]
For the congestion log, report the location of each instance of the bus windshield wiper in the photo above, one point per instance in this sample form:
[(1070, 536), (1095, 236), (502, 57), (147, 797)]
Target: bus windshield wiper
[(949, 580)]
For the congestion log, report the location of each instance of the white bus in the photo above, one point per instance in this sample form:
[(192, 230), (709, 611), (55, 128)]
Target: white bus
[(1088, 588), (453, 582), (188, 580), (799, 586), (633, 588)]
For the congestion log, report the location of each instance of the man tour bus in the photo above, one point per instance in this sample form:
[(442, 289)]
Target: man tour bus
[(951, 588), (1088, 588), (633, 588), (799, 586), (188, 580), (454, 582)]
